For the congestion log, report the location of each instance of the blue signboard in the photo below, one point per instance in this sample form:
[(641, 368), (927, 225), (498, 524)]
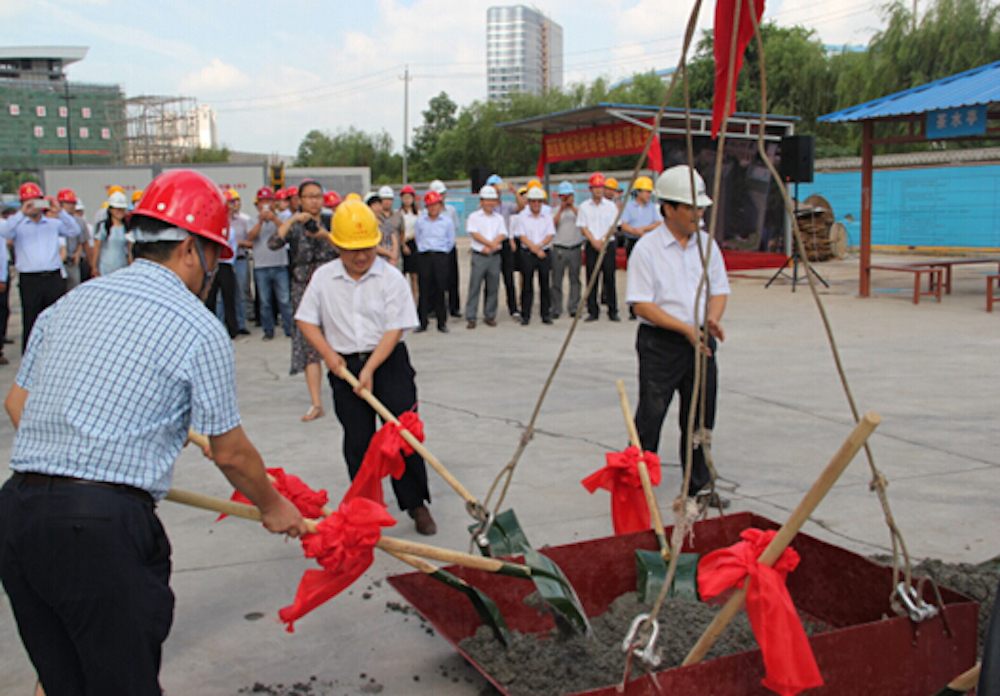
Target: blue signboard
[(953, 123)]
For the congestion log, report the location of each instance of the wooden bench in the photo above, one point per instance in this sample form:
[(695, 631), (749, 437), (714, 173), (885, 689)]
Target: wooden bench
[(992, 282), (946, 264), (934, 278)]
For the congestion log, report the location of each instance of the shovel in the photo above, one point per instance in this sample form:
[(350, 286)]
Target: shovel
[(651, 567), (557, 592), (472, 505), (485, 607)]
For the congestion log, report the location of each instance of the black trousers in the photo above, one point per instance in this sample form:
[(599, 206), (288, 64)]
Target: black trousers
[(607, 278), (225, 280), (393, 385), (4, 314), (530, 264), (86, 569), (38, 291), (508, 264), (666, 365), (630, 243), (454, 305), (434, 277)]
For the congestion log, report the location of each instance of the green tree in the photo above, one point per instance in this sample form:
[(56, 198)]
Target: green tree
[(207, 155), (352, 148), (439, 118), (10, 181)]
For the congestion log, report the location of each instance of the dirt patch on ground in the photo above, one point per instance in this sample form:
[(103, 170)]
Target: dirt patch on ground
[(551, 663)]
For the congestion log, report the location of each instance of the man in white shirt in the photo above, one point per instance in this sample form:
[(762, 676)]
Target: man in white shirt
[(356, 312), (535, 230), (596, 216), (663, 283), (488, 232)]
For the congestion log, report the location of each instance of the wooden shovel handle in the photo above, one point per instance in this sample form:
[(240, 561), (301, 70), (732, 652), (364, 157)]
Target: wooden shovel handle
[(647, 485), (198, 439), (416, 444), (220, 505), (855, 441)]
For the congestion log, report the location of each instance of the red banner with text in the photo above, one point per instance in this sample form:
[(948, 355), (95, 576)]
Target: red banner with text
[(600, 141)]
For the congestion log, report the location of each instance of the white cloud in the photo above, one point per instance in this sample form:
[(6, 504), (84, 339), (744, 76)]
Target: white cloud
[(214, 77)]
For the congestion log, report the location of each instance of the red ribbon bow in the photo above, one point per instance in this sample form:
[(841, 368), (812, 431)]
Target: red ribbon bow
[(384, 457), (344, 545), (309, 502), (620, 476), (788, 658)]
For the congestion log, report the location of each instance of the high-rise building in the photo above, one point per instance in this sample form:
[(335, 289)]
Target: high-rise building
[(524, 52), (47, 120)]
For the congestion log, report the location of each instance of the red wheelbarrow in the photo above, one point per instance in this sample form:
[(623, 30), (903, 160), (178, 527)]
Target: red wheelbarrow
[(867, 649)]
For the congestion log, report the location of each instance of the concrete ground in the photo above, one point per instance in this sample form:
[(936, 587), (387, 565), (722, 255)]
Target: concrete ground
[(929, 370)]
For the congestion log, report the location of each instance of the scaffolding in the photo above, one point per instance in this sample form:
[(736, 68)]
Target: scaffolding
[(157, 129)]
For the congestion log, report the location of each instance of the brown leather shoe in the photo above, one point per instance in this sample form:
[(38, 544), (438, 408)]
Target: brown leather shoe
[(471, 325), (3, 360), (491, 322), (424, 522)]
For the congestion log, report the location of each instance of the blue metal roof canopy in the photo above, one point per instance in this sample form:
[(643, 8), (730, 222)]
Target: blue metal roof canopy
[(974, 87), (970, 97)]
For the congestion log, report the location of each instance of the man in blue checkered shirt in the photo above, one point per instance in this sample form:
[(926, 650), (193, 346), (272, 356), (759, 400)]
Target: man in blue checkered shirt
[(114, 375)]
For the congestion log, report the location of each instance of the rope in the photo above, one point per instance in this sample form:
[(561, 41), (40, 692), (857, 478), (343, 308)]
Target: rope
[(878, 482)]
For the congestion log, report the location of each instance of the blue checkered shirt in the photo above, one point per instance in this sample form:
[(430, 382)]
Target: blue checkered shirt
[(116, 372)]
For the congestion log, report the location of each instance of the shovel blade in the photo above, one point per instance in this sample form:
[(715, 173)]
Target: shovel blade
[(556, 591), (485, 607), (506, 537), (651, 572)]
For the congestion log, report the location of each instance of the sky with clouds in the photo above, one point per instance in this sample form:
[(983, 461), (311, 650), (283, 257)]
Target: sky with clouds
[(275, 70)]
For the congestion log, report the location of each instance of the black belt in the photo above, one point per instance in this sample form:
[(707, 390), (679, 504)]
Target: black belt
[(35, 479), (363, 357), (41, 274), (577, 246)]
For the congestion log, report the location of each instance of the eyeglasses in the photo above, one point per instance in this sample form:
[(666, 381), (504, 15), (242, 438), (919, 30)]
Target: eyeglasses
[(313, 196)]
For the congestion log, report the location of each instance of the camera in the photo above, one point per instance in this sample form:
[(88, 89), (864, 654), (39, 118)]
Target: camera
[(311, 227)]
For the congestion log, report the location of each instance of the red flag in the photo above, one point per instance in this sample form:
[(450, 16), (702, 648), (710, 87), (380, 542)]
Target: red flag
[(309, 502), (725, 10), (620, 476), (344, 545), (654, 160), (788, 658), (384, 457), (540, 169)]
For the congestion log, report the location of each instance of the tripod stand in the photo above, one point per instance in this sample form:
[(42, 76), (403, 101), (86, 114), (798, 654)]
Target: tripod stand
[(794, 257)]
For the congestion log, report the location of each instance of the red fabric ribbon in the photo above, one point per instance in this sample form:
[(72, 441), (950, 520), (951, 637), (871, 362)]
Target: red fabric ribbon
[(725, 10), (788, 658), (384, 457), (620, 476), (344, 546), (309, 502)]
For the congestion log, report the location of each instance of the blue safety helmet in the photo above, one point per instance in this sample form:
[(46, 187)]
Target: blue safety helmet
[(566, 189), (494, 180)]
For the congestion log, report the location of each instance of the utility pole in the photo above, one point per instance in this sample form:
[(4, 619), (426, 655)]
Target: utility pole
[(406, 119), (69, 121)]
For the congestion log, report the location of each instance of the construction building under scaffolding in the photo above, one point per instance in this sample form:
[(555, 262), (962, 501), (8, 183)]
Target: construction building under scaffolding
[(163, 129)]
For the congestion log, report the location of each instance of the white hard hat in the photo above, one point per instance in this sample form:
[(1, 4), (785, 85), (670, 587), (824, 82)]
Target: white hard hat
[(386, 192), (675, 185), (437, 186), (489, 193), (536, 194), (118, 200)]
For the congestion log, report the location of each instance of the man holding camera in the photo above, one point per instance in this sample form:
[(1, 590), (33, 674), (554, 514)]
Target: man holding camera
[(36, 248)]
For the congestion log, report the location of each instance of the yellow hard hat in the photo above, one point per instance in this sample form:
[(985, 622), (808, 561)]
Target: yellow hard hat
[(115, 189), (611, 183), (353, 197), (643, 183), (523, 190), (354, 226), (136, 195), (534, 183)]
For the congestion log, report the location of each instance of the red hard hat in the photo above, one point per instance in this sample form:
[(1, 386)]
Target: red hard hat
[(280, 195), (264, 193), (596, 179), (294, 191), (331, 199), (66, 196), (407, 189), (29, 190), (432, 197), (191, 201)]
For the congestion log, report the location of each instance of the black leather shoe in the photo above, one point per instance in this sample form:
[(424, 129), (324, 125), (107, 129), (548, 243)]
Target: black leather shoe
[(420, 329), (443, 328), (591, 318), (525, 321), (615, 317), (547, 320)]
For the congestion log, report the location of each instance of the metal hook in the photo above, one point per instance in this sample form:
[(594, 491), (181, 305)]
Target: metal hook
[(647, 655), (917, 609)]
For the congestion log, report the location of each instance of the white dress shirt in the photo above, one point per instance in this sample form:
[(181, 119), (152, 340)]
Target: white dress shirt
[(355, 314), (662, 272), (489, 227), (598, 219), (536, 228)]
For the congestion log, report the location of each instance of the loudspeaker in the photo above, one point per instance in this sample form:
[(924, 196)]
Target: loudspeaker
[(797, 152), (478, 177)]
